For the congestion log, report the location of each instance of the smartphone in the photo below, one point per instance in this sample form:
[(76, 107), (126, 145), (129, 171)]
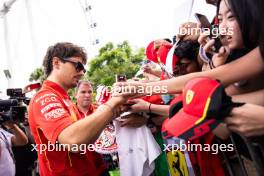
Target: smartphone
[(121, 78), (205, 24)]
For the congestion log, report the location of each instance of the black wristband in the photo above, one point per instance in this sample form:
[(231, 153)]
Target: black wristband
[(149, 108)]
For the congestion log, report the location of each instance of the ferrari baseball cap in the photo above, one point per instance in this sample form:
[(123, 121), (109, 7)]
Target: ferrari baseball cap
[(204, 105), (151, 53), (159, 55)]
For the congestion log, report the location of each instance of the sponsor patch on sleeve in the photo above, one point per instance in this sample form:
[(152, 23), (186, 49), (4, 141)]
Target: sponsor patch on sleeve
[(50, 106)]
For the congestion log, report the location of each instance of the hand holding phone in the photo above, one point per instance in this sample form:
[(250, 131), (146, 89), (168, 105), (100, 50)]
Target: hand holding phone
[(121, 78), (206, 25)]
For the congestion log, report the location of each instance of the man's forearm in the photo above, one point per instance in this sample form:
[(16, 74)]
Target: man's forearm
[(88, 129)]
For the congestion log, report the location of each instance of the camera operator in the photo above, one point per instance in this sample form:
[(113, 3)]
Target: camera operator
[(10, 135)]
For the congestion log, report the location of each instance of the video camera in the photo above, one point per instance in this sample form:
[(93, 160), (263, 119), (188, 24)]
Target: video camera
[(13, 108)]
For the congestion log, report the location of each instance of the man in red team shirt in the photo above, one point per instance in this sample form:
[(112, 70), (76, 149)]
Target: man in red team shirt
[(54, 120), (84, 98)]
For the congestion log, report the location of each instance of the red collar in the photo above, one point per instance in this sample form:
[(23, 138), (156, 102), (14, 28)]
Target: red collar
[(91, 109), (52, 85)]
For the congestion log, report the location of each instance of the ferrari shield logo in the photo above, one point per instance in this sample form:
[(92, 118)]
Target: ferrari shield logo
[(189, 96), (177, 163)]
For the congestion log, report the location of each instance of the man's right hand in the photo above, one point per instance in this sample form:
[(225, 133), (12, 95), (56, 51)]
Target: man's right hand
[(115, 104)]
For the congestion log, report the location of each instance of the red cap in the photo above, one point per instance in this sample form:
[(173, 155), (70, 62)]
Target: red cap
[(162, 53), (151, 53), (201, 104), (159, 54), (154, 99)]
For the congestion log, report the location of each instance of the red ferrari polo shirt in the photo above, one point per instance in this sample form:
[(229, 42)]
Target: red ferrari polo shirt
[(51, 111)]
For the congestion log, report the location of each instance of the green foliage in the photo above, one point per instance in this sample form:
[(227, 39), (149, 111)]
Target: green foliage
[(37, 75), (71, 93), (114, 60), (102, 69)]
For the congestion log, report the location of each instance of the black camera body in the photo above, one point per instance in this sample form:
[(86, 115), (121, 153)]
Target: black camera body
[(12, 109)]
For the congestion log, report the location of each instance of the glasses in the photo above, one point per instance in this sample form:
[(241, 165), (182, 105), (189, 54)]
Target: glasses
[(78, 65)]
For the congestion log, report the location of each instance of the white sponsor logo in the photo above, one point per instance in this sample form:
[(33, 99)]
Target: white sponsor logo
[(43, 96), (54, 113), (49, 106), (47, 100)]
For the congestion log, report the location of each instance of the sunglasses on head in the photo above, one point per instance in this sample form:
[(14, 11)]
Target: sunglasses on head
[(78, 65)]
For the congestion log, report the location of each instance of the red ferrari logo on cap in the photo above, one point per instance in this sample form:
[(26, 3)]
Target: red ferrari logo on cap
[(189, 96)]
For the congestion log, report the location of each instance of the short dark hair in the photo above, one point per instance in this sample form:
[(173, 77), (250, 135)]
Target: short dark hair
[(62, 50), (187, 49), (83, 82)]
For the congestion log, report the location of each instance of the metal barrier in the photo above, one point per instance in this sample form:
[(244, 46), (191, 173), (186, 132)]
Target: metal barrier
[(256, 150), (250, 148)]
